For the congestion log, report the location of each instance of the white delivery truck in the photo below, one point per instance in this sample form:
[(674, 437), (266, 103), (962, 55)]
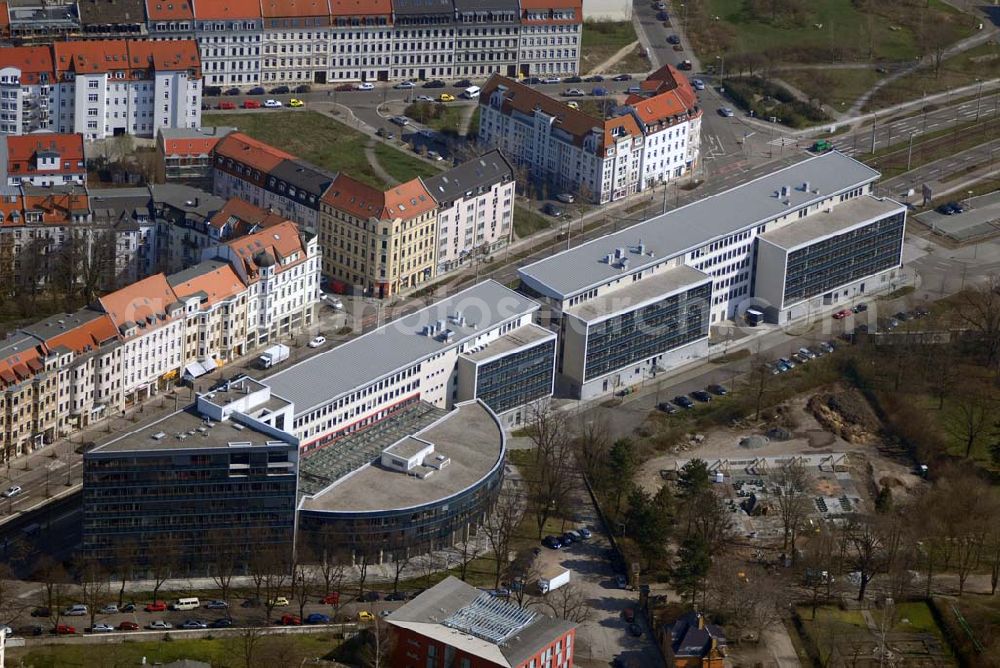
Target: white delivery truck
[(552, 578), (471, 93), (274, 355)]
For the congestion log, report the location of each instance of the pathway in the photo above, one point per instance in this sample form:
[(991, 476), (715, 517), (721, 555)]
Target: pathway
[(468, 112), (618, 55), (376, 165)]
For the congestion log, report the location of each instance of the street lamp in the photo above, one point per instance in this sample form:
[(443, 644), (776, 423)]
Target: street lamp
[(979, 98)]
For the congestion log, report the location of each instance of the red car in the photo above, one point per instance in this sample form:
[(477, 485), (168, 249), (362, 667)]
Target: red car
[(128, 626), (64, 629), (227, 105), (251, 104), (155, 606), (344, 87), (291, 620), (332, 598), (843, 313)]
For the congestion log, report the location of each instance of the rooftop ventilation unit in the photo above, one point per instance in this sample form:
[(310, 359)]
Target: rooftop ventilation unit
[(641, 248), (784, 191), (619, 252), (623, 264), (159, 436), (609, 258), (805, 186)]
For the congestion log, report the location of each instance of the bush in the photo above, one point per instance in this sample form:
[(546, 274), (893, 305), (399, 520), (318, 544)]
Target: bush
[(751, 94)]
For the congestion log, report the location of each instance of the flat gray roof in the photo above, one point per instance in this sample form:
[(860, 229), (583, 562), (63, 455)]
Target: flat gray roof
[(482, 172), (633, 293), (196, 431), (397, 345), (693, 225), (470, 436), (407, 447), (822, 224), (519, 338)]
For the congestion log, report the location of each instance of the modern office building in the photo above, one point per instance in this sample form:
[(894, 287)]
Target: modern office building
[(653, 138), (804, 239), (475, 209), (189, 488), (101, 88), (455, 624)]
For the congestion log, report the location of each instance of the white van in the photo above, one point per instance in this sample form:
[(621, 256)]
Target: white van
[(185, 604), (471, 93)]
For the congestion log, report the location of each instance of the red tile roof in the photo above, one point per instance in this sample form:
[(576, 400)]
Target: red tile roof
[(22, 149), (91, 333), (58, 208), (280, 241), (242, 216), (361, 7), (31, 60), (227, 9), (217, 284), (407, 200), (251, 152), (14, 368), (674, 99), (4, 18), (135, 57), (169, 10), (190, 146), (276, 9), (133, 304)]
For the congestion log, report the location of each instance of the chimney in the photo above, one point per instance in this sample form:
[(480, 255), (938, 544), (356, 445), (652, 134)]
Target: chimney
[(805, 187), (701, 620), (784, 191)]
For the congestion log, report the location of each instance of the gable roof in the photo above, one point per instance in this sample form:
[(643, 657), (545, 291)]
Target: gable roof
[(33, 61), (691, 636), (227, 9), (22, 152), (169, 10), (672, 97), (141, 303), (111, 12), (268, 248), (276, 9), (360, 7), (212, 280), (77, 332), (406, 200), (242, 217), (482, 172), (251, 152)]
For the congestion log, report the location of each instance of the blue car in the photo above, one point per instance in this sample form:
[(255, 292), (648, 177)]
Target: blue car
[(599, 92), (318, 618), (552, 542)]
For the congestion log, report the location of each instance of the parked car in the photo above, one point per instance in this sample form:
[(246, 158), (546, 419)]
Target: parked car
[(251, 104), (216, 605), (673, 39), (259, 90), (273, 104), (808, 353), (552, 542), (702, 396), (333, 598), (370, 596), (155, 606), (109, 609), (295, 102), (425, 98), (41, 612), (434, 155), (128, 607), (76, 610), (902, 316), (718, 390), (566, 198), (800, 358), (365, 616), (405, 84), (12, 491), (304, 88), (128, 626), (279, 602), (787, 362), (622, 77), (317, 618), (594, 78), (463, 83), (566, 539), (573, 92), (221, 623), (345, 87), (598, 91), (227, 105), (552, 210), (64, 629), (365, 86), (860, 307), (684, 65), (101, 628), (666, 407), (921, 312), (159, 625), (683, 401), (827, 346), (317, 341), (726, 112), (531, 81), (211, 91), (396, 596), (551, 80), (401, 121), (842, 313), (698, 84), (233, 91), (585, 533), (447, 97), (194, 624), (290, 620), (436, 83)]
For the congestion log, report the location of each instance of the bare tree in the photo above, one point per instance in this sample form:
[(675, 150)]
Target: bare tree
[(124, 566), (94, 586), (569, 602), (792, 486), (548, 429), (745, 597), (274, 577), (866, 550), (304, 583), (499, 528), (55, 585), (468, 551), (247, 645), (978, 307), (399, 564), (758, 381), (971, 421), (162, 562), (551, 482), (378, 647), (227, 562), (592, 445)]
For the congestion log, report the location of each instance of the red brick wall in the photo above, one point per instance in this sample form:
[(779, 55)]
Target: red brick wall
[(410, 651)]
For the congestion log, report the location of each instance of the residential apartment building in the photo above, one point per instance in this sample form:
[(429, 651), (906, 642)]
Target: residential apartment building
[(361, 39), (269, 178), (70, 370), (653, 139), (486, 37), (455, 623), (101, 88), (804, 239), (296, 45), (186, 153), (45, 159), (475, 209), (551, 31), (423, 40), (382, 241)]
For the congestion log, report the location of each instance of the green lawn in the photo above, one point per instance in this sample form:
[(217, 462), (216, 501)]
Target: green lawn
[(978, 64), (602, 39), (836, 88), (635, 62), (822, 31), (528, 222), (323, 141), (219, 652)]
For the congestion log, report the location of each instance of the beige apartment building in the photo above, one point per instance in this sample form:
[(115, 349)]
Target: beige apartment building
[(381, 242)]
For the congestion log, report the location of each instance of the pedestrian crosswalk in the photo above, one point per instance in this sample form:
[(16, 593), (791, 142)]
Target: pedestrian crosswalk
[(784, 141)]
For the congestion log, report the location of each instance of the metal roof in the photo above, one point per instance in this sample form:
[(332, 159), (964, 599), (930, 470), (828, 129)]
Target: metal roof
[(698, 223), (396, 345)]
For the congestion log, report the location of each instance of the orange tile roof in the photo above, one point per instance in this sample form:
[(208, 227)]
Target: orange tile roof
[(31, 60), (576, 123), (133, 304), (242, 216), (136, 57), (190, 146), (91, 333), (360, 200), (217, 284), (21, 151), (360, 7), (674, 98), (276, 9), (251, 152), (165, 55), (280, 241), (7, 209), (227, 9), (4, 17), (14, 368), (58, 208), (169, 10)]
